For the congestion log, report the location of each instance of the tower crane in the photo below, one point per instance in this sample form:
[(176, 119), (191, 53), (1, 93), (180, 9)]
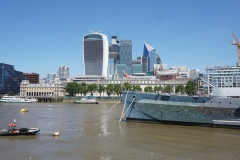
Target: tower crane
[(236, 42)]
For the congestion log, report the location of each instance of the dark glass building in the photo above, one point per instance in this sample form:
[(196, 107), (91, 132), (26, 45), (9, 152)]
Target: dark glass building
[(95, 54), (10, 79)]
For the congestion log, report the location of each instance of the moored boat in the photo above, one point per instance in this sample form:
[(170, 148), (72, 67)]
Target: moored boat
[(178, 109), (87, 100), (14, 99)]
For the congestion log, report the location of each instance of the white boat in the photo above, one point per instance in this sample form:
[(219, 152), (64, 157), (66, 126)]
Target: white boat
[(33, 99), (14, 99), (87, 100)]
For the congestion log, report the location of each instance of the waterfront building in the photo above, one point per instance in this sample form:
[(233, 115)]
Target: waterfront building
[(90, 78), (63, 72), (95, 54), (32, 77), (51, 76), (42, 89), (137, 68), (10, 79), (220, 76)]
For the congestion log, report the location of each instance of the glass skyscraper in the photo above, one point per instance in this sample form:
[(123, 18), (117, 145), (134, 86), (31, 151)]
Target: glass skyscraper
[(125, 51), (10, 79), (95, 54), (150, 54)]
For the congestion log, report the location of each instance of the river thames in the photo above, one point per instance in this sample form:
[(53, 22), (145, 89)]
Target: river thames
[(87, 133)]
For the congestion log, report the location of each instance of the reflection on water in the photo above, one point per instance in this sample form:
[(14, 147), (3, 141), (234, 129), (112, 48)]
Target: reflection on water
[(86, 132)]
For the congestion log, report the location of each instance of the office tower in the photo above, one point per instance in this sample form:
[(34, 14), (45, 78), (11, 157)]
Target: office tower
[(125, 51), (63, 72), (51, 76), (113, 56), (153, 57), (95, 54), (33, 78), (10, 79)]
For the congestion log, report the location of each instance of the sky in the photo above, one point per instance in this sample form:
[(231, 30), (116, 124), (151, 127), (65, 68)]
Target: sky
[(41, 35)]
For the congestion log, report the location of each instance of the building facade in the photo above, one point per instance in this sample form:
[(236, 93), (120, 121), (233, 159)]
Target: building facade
[(10, 79), (32, 77), (51, 76), (42, 89), (221, 77), (95, 54), (113, 59)]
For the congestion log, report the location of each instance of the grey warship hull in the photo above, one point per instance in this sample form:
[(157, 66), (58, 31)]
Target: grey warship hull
[(188, 110)]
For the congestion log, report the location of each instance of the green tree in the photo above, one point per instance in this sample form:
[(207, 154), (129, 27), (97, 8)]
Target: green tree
[(82, 89), (179, 88), (71, 88), (137, 88), (117, 89), (191, 88), (156, 88), (127, 86), (168, 89), (101, 89), (109, 89), (148, 89), (92, 88), (160, 88), (10, 93)]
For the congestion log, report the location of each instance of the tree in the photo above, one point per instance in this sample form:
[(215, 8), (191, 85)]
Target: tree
[(179, 88), (82, 89), (148, 89), (127, 86), (101, 89), (92, 88), (191, 88), (168, 89), (71, 88), (117, 89), (10, 93), (109, 89), (156, 88), (137, 88)]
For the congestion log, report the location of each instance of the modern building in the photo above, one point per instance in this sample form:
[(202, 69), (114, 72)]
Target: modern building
[(95, 54), (150, 57), (125, 51), (32, 77), (51, 76), (113, 59), (10, 79), (220, 77), (63, 72)]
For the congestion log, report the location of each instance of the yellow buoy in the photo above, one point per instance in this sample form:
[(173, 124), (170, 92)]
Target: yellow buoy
[(56, 133), (24, 110)]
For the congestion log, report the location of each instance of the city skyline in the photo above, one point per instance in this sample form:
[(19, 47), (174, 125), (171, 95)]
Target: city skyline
[(40, 36)]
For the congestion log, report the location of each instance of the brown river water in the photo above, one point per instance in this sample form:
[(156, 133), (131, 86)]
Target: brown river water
[(87, 133)]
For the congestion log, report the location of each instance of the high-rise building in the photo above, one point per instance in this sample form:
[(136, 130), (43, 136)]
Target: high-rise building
[(51, 76), (113, 59), (125, 51), (95, 54), (153, 57), (63, 72), (10, 79), (33, 78)]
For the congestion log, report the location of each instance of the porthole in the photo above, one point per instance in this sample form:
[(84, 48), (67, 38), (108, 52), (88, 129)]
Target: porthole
[(210, 113), (230, 103), (211, 101), (219, 102), (203, 101)]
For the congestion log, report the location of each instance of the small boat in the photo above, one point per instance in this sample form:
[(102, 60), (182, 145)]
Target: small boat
[(14, 99), (12, 131), (87, 100)]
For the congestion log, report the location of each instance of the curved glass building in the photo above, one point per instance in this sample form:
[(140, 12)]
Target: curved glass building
[(95, 54)]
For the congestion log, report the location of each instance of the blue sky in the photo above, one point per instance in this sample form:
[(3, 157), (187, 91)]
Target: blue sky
[(41, 35)]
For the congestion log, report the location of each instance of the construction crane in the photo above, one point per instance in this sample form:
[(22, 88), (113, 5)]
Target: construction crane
[(236, 42)]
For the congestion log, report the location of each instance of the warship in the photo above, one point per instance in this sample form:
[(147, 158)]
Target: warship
[(218, 110)]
